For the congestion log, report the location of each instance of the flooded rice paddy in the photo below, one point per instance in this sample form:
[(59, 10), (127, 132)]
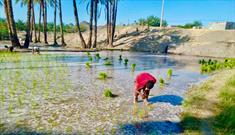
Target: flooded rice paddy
[(57, 93)]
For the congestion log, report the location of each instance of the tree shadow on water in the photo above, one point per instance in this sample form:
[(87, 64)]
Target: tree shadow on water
[(172, 99)]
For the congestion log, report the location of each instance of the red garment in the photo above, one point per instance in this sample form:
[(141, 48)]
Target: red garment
[(142, 79)]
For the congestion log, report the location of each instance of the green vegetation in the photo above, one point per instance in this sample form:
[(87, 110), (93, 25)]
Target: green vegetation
[(88, 65), (3, 30), (108, 93), (196, 24), (108, 63), (215, 97), (126, 61), (212, 65), (133, 67), (103, 76), (27, 82), (97, 55), (169, 73), (151, 21), (120, 57), (161, 81)]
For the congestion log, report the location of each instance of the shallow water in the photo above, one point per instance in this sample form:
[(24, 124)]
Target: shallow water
[(81, 106)]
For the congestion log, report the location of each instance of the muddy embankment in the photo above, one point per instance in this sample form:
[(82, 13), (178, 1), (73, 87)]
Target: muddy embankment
[(199, 42)]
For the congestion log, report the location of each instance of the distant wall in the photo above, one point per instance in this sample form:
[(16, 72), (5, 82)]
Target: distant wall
[(221, 25)]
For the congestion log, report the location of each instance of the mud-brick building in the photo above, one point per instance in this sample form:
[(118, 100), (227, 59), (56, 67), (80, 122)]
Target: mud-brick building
[(221, 26)]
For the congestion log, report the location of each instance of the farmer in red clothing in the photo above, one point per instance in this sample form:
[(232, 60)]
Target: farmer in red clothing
[(143, 82)]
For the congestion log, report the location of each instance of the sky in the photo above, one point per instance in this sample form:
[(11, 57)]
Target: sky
[(177, 12)]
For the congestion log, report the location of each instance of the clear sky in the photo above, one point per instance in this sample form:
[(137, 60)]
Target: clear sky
[(176, 11)]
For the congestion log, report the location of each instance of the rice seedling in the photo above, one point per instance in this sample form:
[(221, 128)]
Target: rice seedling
[(133, 67), (120, 57), (161, 81), (90, 58), (108, 93), (108, 63), (126, 61), (106, 58), (212, 65), (88, 65), (97, 56), (169, 73), (88, 53), (103, 76)]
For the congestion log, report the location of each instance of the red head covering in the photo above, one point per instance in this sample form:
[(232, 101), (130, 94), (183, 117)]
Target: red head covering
[(142, 79)]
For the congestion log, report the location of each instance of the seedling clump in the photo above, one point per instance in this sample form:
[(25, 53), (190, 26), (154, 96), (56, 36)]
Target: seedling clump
[(108, 63), (90, 58), (108, 93), (161, 81), (133, 67), (169, 73), (88, 54), (88, 65), (126, 61), (103, 76), (212, 65), (120, 57), (97, 56)]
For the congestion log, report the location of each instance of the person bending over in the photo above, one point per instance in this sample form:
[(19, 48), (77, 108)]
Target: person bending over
[(144, 82)]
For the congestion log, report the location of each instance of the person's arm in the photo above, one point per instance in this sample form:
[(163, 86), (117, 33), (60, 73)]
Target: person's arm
[(139, 92)]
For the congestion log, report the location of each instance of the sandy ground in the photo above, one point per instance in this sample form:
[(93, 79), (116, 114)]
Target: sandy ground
[(199, 42)]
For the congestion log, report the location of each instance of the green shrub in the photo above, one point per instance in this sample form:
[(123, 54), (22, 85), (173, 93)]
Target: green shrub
[(103, 76), (108, 93)]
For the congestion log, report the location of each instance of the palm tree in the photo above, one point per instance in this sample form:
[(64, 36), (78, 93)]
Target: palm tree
[(44, 14), (91, 23), (34, 22), (11, 23), (111, 22), (61, 25), (55, 9), (95, 19), (83, 43), (39, 22), (27, 38)]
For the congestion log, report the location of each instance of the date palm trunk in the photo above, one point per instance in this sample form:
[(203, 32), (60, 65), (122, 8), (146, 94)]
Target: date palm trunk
[(44, 14), (55, 9), (83, 43), (61, 25), (91, 24), (11, 23), (108, 18), (27, 38), (34, 23), (96, 16), (39, 23)]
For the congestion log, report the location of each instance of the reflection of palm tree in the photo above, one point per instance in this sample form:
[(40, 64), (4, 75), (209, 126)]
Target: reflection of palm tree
[(11, 23)]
